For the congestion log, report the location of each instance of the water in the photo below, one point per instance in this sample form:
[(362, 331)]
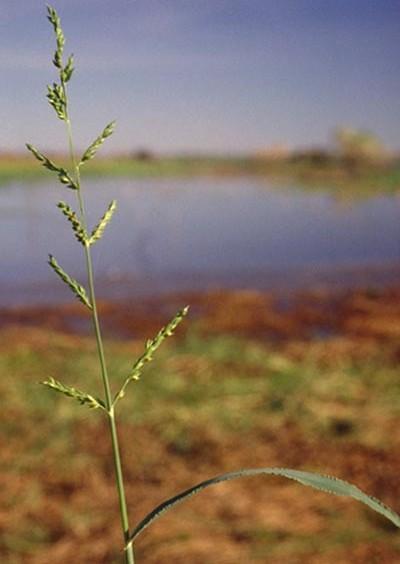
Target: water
[(196, 233)]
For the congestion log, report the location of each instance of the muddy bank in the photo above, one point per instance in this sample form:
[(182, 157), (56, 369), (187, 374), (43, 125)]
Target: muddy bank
[(262, 315)]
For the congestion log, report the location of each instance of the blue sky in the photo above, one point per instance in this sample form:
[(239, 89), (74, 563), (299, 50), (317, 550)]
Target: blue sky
[(204, 75)]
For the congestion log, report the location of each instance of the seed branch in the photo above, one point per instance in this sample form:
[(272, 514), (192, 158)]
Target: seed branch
[(79, 231), (67, 71), (93, 147), (76, 288), (56, 98), (151, 346), (63, 175), (98, 231), (82, 397), (54, 19)]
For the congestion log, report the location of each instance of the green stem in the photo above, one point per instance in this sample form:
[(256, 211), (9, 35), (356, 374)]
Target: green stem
[(129, 554)]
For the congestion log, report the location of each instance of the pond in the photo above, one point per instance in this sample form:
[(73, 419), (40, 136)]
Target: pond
[(175, 234)]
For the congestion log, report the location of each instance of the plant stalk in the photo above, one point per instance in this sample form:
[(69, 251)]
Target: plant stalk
[(129, 554)]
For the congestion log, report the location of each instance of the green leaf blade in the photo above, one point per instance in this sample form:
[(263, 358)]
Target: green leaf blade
[(320, 482)]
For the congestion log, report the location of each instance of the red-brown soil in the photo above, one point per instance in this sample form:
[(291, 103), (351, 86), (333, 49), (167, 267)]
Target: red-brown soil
[(232, 523)]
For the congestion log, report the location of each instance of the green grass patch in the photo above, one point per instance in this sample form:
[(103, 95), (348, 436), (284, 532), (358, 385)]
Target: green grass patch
[(220, 378)]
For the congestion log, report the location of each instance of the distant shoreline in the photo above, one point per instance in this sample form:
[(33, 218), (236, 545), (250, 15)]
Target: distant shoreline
[(308, 171)]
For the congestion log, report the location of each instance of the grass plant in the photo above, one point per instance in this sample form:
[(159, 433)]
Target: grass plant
[(70, 178)]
